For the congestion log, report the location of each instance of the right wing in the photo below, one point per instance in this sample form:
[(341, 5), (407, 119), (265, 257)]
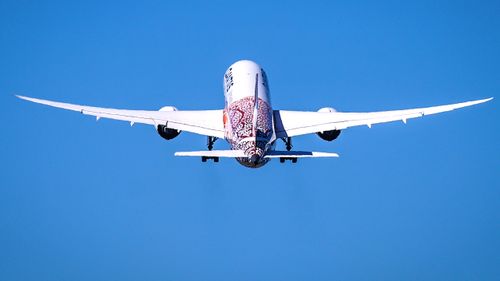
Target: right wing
[(203, 122), (295, 123)]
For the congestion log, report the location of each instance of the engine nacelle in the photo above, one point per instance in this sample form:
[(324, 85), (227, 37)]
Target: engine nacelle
[(327, 109), (167, 133), (328, 135), (163, 131), (168, 108)]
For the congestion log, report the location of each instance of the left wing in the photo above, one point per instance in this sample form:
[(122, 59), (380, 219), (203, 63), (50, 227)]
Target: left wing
[(203, 122), (295, 123)]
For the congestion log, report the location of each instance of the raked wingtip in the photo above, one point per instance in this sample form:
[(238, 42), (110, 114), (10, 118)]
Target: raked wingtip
[(481, 101), (23, 97), (485, 100)]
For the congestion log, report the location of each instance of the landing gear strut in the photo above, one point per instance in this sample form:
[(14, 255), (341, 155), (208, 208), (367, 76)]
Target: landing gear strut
[(288, 143), (210, 142), (288, 146), (210, 146)]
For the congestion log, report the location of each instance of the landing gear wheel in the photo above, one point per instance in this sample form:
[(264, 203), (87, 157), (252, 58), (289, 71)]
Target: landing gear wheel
[(291, 159), (206, 158)]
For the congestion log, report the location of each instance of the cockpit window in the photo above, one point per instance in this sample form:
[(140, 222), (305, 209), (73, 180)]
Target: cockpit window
[(228, 80)]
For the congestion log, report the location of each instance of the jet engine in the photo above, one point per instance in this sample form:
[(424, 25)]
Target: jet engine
[(163, 131), (332, 134)]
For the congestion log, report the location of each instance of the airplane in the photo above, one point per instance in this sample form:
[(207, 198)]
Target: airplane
[(248, 122)]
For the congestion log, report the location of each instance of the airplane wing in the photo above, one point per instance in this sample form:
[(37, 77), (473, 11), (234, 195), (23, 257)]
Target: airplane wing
[(203, 122), (295, 123)]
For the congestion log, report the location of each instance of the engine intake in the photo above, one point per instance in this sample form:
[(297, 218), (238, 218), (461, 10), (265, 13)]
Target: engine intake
[(329, 135), (167, 133)]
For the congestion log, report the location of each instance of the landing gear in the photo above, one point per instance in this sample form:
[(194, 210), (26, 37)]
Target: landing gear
[(291, 159), (210, 146), (288, 146), (288, 143), (210, 142), (205, 158)]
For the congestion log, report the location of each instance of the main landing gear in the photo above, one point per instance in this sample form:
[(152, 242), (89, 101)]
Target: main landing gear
[(210, 142), (288, 146), (205, 158), (292, 159), (210, 146), (288, 143)]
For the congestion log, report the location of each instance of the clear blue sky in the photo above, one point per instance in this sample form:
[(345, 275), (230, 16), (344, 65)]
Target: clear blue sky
[(81, 200)]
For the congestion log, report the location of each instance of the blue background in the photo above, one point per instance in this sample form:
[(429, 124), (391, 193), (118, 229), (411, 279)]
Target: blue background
[(81, 200)]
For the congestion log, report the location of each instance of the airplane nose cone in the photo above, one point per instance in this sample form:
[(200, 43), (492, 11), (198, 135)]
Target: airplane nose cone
[(254, 159)]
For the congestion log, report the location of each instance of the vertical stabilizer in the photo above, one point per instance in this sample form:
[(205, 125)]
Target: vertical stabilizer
[(255, 106)]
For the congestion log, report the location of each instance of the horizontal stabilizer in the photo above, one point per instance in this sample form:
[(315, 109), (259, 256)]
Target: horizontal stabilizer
[(213, 153), (299, 154)]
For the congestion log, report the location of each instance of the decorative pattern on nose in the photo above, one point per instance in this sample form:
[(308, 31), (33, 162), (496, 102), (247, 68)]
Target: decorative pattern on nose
[(254, 159)]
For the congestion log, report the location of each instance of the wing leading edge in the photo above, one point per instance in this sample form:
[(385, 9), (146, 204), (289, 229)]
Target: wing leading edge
[(295, 123), (203, 122)]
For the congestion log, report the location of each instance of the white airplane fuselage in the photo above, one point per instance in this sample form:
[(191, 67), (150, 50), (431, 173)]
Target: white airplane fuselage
[(248, 115)]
